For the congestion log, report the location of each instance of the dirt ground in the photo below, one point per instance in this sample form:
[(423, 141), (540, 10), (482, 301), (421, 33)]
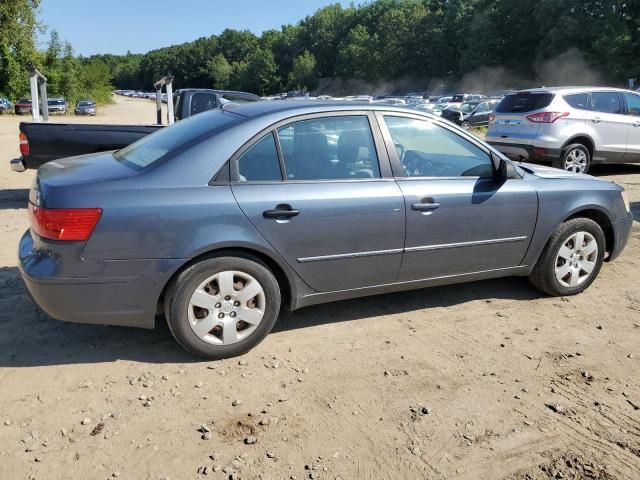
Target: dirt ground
[(488, 380)]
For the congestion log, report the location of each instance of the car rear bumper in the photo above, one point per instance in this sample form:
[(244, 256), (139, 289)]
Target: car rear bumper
[(113, 293), (17, 165), (528, 152), (621, 233)]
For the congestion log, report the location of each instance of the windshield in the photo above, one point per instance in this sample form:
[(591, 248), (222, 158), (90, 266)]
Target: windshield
[(153, 147), (85, 104), (56, 102), (524, 102)]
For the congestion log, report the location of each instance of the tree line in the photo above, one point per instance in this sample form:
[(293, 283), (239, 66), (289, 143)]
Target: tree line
[(418, 44)]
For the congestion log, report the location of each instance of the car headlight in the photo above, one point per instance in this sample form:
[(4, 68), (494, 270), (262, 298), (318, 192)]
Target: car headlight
[(625, 200)]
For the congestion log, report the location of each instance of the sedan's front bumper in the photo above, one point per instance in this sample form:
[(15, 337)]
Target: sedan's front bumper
[(621, 233), (69, 288)]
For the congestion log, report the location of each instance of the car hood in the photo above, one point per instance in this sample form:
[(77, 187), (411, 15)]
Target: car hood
[(543, 171)]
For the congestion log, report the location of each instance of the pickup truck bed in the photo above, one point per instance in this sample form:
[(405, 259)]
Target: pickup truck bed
[(50, 141)]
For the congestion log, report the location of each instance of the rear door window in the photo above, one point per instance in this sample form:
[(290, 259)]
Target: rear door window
[(606, 102), (578, 100), (524, 102), (329, 148), (260, 162), (633, 104)]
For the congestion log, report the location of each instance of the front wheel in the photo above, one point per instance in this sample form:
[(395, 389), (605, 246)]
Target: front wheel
[(221, 307), (466, 125), (572, 258)]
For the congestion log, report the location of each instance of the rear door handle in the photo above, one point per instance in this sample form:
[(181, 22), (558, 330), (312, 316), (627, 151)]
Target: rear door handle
[(636, 124), (596, 120), (425, 207), (281, 212)]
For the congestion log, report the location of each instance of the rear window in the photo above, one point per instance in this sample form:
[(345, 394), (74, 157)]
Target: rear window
[(524, 102), (153, 147), (578, 100)]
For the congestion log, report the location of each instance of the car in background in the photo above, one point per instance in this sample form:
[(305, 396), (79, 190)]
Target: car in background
[(433, 108), (225, 219), (22, 106), (191, 101), (467, 97), (445, 99), (471, 114), (86, 107), (570, 127), (57, 106), (5, 105)]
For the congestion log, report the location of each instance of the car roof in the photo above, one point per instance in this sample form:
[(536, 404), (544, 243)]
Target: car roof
[(571, 89), (301, 107)]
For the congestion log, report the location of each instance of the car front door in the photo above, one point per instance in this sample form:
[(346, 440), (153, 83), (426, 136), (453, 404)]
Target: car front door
[(609, 125), (328, 203), (632, 101), (480, 115), (461, 218)]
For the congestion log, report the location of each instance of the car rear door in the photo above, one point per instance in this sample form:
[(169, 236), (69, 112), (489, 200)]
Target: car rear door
[(328, 203), (460, 217), (632, 104), (609, 126)]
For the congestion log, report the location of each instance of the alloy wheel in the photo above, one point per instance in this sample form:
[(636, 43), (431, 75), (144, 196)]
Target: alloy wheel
[(576, 161), (576, 259), (227, 307)]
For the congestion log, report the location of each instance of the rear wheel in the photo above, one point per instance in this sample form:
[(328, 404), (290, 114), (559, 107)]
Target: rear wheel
[(576, 158), (223, 306), (466, 125), (571, 259)]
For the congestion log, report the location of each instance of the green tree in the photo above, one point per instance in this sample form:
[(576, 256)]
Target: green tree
[(18, 26), (303, 72), (220, 71)]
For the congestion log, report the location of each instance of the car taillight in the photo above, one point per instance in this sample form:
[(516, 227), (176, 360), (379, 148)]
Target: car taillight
[(24, 145), (70, 224), (492, 117), (546, 117)]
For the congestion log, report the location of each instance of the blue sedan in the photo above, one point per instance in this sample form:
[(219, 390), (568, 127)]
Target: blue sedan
[(229, 217)]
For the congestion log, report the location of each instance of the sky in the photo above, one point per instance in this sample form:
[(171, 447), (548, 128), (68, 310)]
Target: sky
[(115, 26)]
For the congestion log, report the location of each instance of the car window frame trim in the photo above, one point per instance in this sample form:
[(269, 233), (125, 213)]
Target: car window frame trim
[(398, 170), (384, 163)]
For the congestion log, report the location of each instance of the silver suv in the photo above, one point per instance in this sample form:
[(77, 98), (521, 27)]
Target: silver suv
[(569, 127)]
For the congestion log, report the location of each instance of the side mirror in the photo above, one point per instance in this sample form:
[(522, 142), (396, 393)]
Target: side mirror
[(501, 166)]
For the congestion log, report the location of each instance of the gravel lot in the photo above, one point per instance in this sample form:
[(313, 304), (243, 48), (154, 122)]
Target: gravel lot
[(486, 380)]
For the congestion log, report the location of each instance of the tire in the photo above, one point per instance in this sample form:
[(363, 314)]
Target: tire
[(575, 158), (189, 323), (544, 275), (466, 125)]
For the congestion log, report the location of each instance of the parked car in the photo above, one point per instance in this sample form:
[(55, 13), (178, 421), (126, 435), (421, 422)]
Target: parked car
[(571, 127), (86, 107), (5, 105), (227, 218), (191, 101), (471, 114), (22, 106), (57, 106), (433, 108), (467, 97), (44, 142)]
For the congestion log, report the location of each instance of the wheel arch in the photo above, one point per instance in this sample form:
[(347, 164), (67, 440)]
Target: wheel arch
[(600, 217), (583, 139), (283, 274)]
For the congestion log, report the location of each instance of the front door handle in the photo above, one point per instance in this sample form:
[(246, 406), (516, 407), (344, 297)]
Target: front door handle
[(636, 124), (425, 207), (281, 212), (596, 120)]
